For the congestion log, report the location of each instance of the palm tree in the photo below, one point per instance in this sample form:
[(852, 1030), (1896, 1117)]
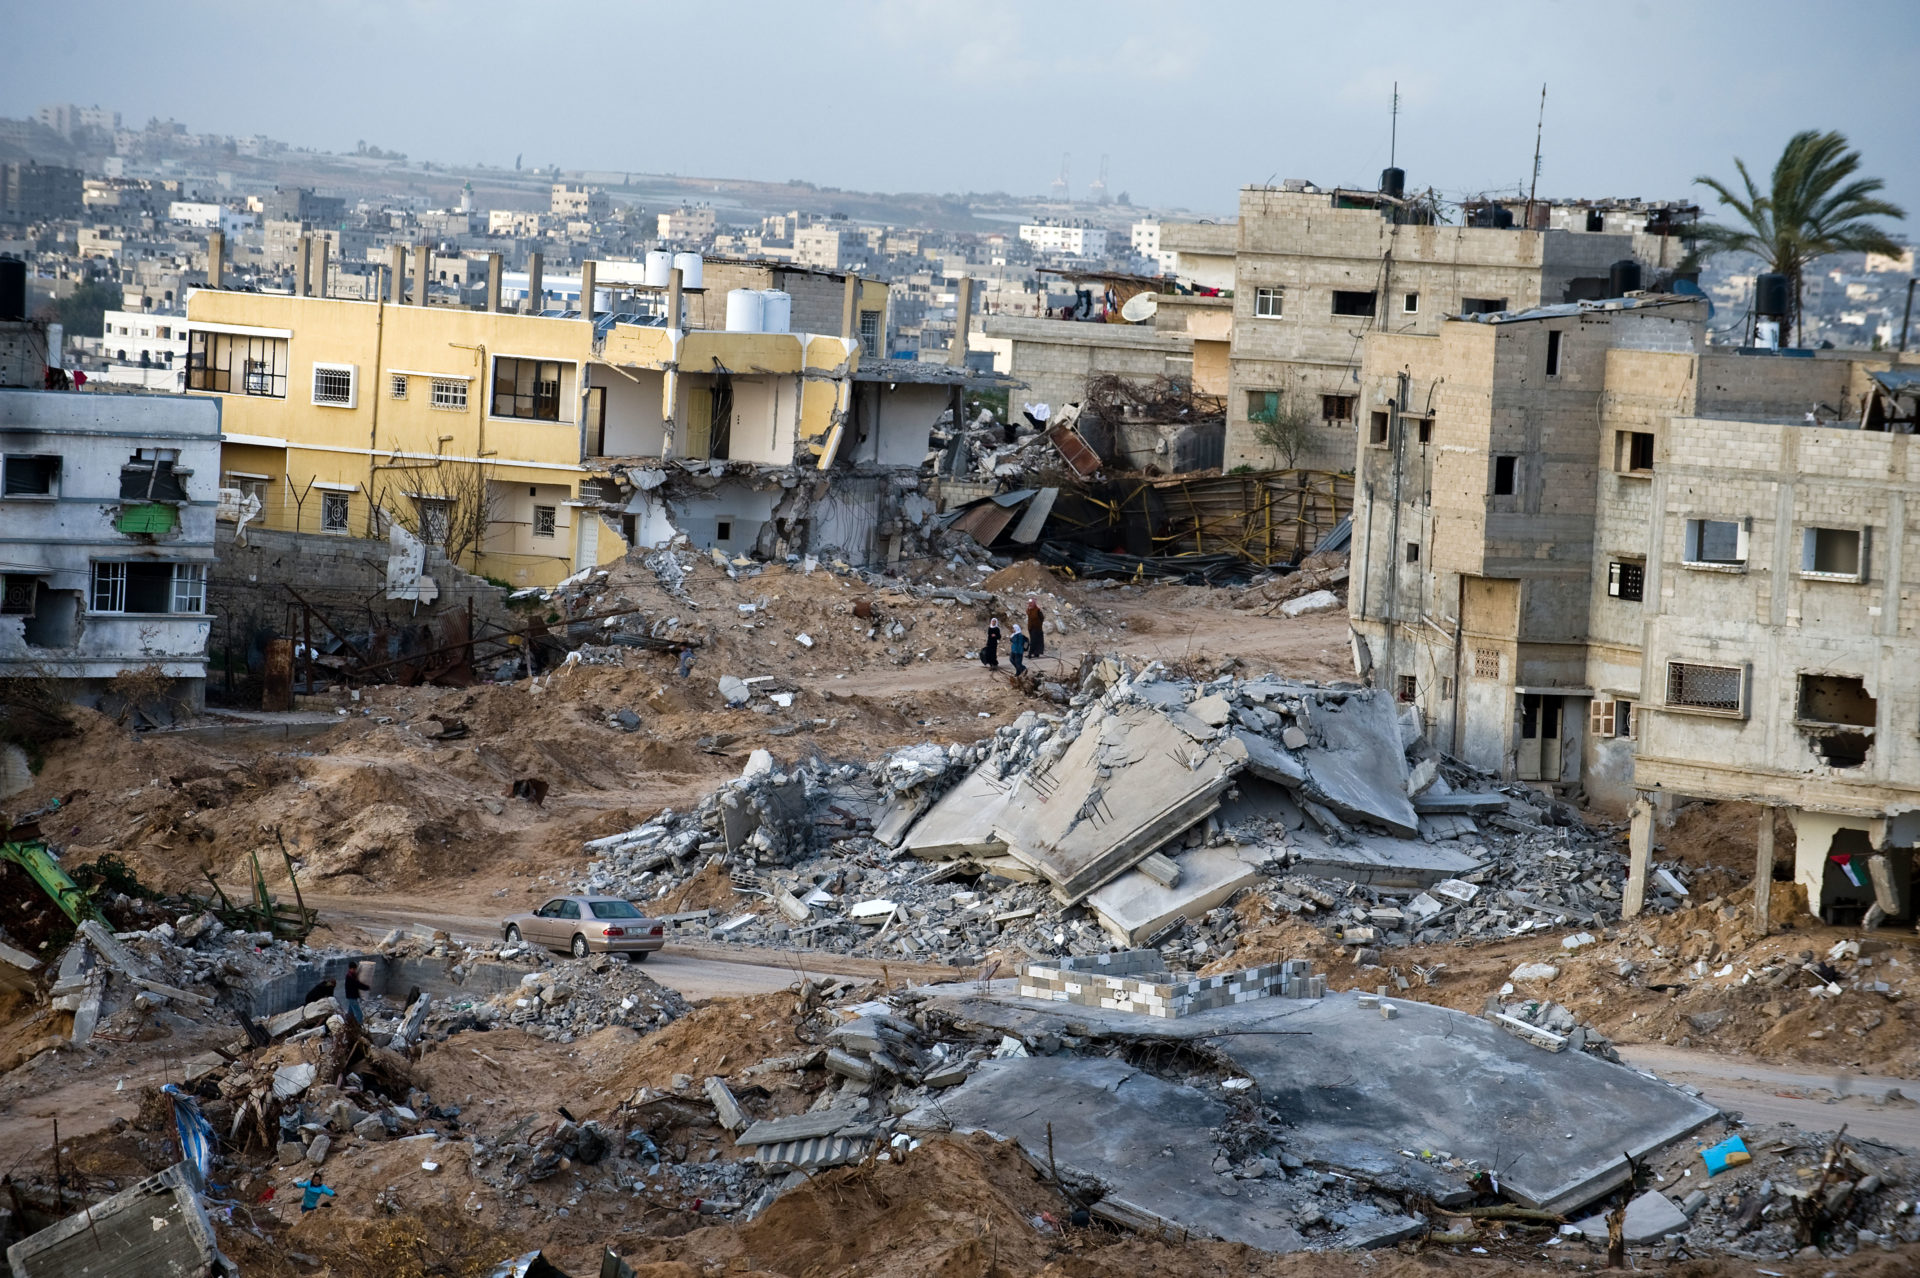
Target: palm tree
[(1815, 207)]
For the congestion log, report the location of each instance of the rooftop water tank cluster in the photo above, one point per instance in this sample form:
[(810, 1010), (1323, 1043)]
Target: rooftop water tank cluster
[(759, 310)]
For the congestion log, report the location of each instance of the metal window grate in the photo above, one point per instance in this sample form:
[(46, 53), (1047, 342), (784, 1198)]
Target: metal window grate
[(334, 509), (1707, 687), (543, 521), (450, 394), (333, 386), (1486, 663), (397, 388)]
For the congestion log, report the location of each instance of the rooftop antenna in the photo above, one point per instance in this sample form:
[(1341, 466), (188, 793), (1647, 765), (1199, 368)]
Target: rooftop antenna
[(1538, 127), (1393, 137)]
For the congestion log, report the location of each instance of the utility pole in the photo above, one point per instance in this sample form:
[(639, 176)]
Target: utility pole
[(1393, 134), (1538, 127), (1906, 321)]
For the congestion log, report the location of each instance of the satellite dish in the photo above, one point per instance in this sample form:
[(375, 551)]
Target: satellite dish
[(1140, 306)]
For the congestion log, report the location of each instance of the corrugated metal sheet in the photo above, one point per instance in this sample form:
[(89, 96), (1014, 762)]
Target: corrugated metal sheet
[(1027, 531), (1074, 450), (985, 522)]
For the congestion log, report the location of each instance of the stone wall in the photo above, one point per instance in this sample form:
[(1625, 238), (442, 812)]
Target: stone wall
[(1135, 982)]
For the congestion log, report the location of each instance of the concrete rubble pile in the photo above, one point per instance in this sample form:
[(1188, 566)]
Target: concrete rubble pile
[(1138, 815)]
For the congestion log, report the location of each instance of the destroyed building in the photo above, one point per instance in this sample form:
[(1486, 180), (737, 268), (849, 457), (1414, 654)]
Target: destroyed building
[(106, 502), (1602, 556), (531, 446)]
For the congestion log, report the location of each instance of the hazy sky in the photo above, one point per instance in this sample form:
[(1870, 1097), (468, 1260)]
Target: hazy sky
[(1190, 100)]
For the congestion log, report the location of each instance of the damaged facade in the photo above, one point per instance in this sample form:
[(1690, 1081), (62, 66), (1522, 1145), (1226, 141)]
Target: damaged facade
[(108, 513), (1605, 557), (531, 446)]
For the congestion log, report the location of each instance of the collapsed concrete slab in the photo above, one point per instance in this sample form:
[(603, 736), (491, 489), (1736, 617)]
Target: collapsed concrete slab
[(961, 823), (1359, 769), (1134, 906), (1128, 783), (157, 1227), (1358, 1089), (1378, 859)]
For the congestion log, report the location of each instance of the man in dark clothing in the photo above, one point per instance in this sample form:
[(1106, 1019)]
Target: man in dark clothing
[(355, 988), (1036, 634), (990, 651), (1017, 649)]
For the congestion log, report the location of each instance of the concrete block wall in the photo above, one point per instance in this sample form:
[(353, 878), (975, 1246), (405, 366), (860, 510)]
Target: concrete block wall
[(392, 978), (1096, 985)]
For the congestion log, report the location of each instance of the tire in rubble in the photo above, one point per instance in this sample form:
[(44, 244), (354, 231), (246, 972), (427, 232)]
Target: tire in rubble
[(513, 935)]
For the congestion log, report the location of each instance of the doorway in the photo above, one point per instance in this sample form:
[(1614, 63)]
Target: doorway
[(1539, 737)]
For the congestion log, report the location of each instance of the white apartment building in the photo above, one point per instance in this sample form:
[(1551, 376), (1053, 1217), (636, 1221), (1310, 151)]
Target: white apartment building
[(1146, 243), (690, 224), (1072, 238), (210, 215), (155, 341)]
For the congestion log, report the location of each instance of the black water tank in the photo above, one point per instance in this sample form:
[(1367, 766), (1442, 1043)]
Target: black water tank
[(13, 289), (1503, 219), (1770, 295), (1393, 182), (1623, 277)]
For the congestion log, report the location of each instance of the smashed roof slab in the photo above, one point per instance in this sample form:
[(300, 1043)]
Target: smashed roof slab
[(1358, 1088), (156, 1228)]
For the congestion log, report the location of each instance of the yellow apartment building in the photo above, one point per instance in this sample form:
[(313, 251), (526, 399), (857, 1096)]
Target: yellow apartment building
[(493, 434)]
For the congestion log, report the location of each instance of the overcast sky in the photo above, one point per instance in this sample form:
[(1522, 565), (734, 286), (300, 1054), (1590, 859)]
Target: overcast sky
[(1190, 100)]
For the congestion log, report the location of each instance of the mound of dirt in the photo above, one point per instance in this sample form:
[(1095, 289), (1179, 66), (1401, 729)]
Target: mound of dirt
[(1024, 578)]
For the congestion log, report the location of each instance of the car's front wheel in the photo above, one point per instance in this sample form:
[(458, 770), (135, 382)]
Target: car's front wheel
[(579, 946), (513, 935)]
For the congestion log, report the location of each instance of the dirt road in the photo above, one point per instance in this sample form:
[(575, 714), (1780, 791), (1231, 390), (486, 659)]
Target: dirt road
[(1768, 1094)]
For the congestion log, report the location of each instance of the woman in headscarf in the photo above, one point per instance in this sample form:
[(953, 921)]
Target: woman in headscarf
[(1036, 632), (1017, 649), (990, 650)]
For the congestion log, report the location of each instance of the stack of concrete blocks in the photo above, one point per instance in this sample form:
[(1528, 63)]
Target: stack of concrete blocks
[(1137, 981)]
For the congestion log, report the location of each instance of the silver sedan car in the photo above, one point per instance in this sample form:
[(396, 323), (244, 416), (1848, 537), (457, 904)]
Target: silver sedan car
[(586, 925)]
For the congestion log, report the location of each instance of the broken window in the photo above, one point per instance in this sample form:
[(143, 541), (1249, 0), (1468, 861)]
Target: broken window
[(723, 530), (1410, 304), (1486, 663), (544, 520), (149, 587), (449, 393), (1426, 429), (333, 385), (397, 386), (1506, 475), (1627, 580), (1406, 688), (1263, 406), (149, 475), (1267, 303), (237, 365), (1413, 552), (1832, 552), (1838, 715), (1716, 541), (527, 388), (334, 512), (1352, 303), (1378, 432), (1632, 450), (1555, 345), (1337, 408), (1482, 305), (1610, 717), (32, 476), (1705, 687), (1596, 220)]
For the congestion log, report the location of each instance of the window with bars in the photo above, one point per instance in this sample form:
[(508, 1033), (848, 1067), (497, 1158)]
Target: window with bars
[(1626, 580), (435, 519), (450, 393), (544, 518), (236, 365), (1486, 663), (335, 510), (397, 386), (333, 385), (1705, 687), (527, 388), (870, 332)]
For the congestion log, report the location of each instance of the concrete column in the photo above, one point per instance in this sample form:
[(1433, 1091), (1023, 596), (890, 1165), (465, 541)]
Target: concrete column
[(397, 274), (962, 319), (317, 269), (586, 290), (673, 298), (850, 311), (302, 250), (422, 272), (493, 283), (536, 286), (1640, 858), (1763, 873), (216, 259)]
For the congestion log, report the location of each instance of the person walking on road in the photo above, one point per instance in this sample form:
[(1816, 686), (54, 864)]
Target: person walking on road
[(1036, 632), (1017, 650), (990, 651)]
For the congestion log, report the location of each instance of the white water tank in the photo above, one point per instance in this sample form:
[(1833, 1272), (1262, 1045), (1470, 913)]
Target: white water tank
[(746, 310), (659, 268), (776, 315), (690, 266)]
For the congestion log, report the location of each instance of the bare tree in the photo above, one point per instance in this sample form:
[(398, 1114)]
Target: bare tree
[(1286, 427), (444, 503)]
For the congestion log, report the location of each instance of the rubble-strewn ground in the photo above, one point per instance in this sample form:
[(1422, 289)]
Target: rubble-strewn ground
[(374, 808)]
